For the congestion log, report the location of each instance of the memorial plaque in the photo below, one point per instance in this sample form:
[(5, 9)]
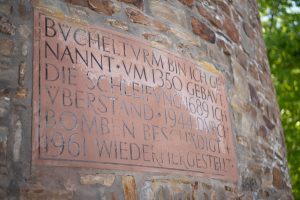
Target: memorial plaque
[(107, 100)]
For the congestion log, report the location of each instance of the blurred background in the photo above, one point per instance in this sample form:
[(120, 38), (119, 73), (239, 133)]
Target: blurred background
[(281, 29)]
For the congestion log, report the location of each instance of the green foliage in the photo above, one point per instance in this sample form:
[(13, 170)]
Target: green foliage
[(281, 28)]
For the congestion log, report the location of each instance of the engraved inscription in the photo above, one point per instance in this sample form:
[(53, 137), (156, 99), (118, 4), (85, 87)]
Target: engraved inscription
[(105, 100)]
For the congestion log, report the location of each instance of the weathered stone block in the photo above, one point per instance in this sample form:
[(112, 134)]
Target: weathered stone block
[(24, 49), (17, 141), (218, 56), (22, 70), (249, 184), (253, 95), (224, 46), (253, 70), (210, 15), (102, 179), (240, 84), (201, 29), (268, 123), (242, 141), (187, 2), (277, 178), (137, 16), (3, 145), (242, 58), (37, 192), (146, 191), (231, 30), (4, 181), (21, 93), (102, 6), (224, 7), (174, 189), (160, 26), (24, 31), (118, 24), (158, 38), (3, 132), (6, 27), (137, 3), (3, 112), (167, 11), (6, 8), (262, 132), (6, 47), (3, 193), (79, 2), (4, 107), (185, 36), (249, 30)]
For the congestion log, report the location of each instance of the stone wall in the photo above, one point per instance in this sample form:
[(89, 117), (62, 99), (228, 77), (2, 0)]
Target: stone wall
[(225, 33)]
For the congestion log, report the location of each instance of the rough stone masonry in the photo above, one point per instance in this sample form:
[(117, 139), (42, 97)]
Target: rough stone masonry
[(225, 33)]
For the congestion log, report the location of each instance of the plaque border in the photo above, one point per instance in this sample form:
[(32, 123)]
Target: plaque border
[(36, 118)]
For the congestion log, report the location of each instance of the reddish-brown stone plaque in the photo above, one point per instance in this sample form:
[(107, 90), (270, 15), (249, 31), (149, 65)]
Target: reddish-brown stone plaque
[(107, 100)]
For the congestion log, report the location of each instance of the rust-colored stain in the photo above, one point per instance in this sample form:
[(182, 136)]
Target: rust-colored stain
[(107, 100), (21, 93), (129, 188), (113, 196), (194, 190)]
